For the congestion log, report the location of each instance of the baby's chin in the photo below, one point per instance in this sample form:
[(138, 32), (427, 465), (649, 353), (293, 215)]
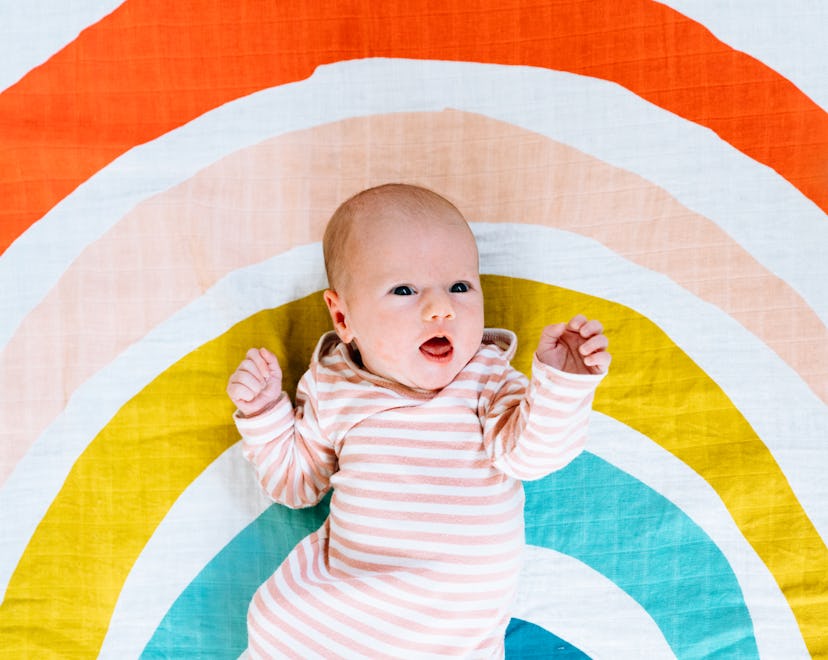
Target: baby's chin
[(434, 385), (428, 380), (434, 380)]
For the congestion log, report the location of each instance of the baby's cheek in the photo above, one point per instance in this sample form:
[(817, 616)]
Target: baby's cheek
[(387, 349)]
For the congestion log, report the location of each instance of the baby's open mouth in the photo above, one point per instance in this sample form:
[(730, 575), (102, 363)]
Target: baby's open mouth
[(437, 348)]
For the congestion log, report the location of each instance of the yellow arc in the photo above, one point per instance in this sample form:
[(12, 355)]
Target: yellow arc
[(63, 592)]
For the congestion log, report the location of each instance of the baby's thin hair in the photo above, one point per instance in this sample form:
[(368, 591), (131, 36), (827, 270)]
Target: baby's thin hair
[(406, 197)]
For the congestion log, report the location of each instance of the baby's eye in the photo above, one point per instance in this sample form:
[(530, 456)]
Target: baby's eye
[(459, 287), (403, 291)]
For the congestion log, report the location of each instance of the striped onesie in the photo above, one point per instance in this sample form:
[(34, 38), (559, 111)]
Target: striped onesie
[(420, 554)]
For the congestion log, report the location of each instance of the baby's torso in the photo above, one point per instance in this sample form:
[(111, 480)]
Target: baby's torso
[(416, 492)]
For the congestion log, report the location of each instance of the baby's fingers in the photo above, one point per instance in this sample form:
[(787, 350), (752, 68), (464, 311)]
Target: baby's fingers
[(246, 383), (594, 352), (252, 375), (248, 376), (593, 344), (240, 393), (599, 361), (586, 328), (552, 333), (271, 362), (256, 363)]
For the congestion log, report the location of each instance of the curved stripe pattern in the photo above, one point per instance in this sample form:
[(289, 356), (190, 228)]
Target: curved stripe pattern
[(789, 248), (218, 59), (710, 341), (561, 594), (658, 556), (789, 38), (702, 421), (93, 405), (710, 178), (211, 613), (227, 495), (539, 254), (525, 640), (653, 552), (775, 628), (33, 31), (167, 404), (160, 575)]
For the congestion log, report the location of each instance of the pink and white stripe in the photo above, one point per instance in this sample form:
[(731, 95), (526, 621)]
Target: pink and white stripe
[(421, 552)]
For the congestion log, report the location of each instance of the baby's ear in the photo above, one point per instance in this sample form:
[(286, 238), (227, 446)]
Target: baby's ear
[(339, 315)]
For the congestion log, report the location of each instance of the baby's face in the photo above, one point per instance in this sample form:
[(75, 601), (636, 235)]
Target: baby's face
[(411, 301)]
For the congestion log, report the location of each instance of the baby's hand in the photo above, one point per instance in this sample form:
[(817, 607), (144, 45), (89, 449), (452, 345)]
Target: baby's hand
[(577, 347), (257, 384)]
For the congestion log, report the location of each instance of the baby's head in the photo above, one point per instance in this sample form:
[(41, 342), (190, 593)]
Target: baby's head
[(404, 285)]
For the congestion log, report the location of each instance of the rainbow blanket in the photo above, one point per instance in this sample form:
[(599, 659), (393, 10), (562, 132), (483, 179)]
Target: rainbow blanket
[(166, 171)]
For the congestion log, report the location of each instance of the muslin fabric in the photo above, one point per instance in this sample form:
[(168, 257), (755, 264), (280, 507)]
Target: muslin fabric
[(420, 554)]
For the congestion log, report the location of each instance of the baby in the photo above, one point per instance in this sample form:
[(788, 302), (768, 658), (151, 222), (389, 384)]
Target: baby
[(412, 413)]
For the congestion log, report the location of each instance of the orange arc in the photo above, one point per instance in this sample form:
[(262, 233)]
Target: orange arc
[(148, 68)]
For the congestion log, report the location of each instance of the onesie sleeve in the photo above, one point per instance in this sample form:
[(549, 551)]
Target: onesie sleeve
[(532, 430), (292, 458)]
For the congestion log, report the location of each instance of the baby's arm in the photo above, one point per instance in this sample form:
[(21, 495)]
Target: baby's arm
[(286, 447), (536, 429)]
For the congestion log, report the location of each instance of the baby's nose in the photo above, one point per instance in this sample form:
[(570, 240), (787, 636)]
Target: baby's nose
[(437, 305)]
